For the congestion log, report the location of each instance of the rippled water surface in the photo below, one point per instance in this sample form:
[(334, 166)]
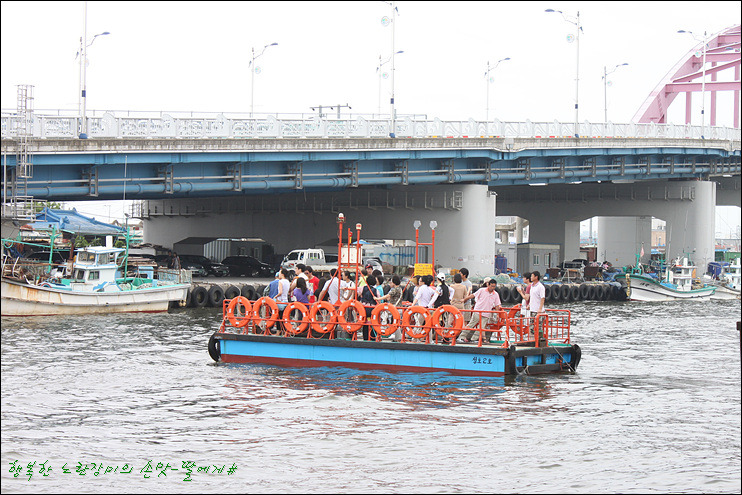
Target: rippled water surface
[(653, 407)]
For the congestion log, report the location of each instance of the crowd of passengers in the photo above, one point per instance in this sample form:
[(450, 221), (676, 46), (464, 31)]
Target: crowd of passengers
[(426, 291)]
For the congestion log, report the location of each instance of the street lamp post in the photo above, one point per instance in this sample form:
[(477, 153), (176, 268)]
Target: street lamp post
[(253, 69), (381, 74), (487, 78), (385, 21), (703, 79), (576, 22), (605, 89), (83, 53)]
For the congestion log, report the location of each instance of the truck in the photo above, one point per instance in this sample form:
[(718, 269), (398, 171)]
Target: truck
[(316, 258)]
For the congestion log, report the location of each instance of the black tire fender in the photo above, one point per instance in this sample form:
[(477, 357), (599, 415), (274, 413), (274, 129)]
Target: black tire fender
[(214, 348), (231, 292), (216, 296), (199, 297), (249, 292)]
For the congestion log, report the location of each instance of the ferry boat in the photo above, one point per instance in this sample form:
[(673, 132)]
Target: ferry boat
[(679, 283), (519, 345), (305, 335), (96, 286)]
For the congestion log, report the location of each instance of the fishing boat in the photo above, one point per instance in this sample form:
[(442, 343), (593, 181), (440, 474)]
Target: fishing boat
[(96, 280), (679, 283), (729, 285), (96, 285), (405, 338)]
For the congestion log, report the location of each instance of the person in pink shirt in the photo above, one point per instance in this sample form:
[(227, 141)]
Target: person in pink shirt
[(485, 299)]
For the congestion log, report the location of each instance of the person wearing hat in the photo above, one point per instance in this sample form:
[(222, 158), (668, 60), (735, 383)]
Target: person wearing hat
[(486, 300)]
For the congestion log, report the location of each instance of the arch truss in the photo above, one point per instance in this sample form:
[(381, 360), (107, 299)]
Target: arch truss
[(691, 76)]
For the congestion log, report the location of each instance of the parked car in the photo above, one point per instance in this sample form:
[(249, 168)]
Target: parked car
[(212, 267), (197, 268), (247, 265)]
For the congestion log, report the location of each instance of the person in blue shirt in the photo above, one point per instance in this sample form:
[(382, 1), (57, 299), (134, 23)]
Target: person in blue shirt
[(273, 288)]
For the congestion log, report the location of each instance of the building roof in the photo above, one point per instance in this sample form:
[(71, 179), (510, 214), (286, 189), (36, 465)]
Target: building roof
[(73, 222)]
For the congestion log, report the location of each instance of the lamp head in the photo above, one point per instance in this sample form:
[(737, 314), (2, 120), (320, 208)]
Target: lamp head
[(358, 226), (417, 224), (433, 224), (341, 218)]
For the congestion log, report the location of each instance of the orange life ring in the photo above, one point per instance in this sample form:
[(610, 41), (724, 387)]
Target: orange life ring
[(323, 327), (237, 320), (269, 319), (289, 323), (411, 329), (446, 332), (518, 325), (352, 326), (380, 328)]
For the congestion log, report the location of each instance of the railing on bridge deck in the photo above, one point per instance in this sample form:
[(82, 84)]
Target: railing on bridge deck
[(219, 126)]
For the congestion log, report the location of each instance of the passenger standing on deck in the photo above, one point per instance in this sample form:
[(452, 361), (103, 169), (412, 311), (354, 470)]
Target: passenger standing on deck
[(486, 300), (458, 292), (331, 288), (299, 272), (525, 293), (426, 294), (313, 280), (444, 293), (467, 283), (346, 286), (302, 292), (395, 293), (273, 287), (368, 301), (282, 298), (537, 297), (379, 282), (395, 298)]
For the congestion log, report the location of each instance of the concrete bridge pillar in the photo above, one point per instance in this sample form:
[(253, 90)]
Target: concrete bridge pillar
[(621, 238), (690, 225)]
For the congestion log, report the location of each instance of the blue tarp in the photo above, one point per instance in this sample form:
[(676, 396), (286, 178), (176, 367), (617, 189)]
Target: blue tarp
[(73, 222)]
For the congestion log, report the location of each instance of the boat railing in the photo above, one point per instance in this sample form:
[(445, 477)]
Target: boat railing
[(26, 270), (404, 323)]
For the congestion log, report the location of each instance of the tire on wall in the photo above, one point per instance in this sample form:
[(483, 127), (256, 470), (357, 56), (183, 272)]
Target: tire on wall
[(216, 296)]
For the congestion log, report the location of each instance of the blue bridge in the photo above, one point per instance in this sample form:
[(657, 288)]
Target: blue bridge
[(257, 176)]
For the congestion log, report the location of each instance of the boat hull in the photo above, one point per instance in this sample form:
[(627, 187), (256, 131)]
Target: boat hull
[(393, 356), (20, 299), (725, 293), (642, 288)]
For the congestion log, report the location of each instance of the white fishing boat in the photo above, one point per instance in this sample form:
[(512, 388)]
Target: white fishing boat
[(679, 283), (97, 285), (729, 285)]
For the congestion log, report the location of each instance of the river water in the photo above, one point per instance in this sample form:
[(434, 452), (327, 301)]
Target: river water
[(654, 407)]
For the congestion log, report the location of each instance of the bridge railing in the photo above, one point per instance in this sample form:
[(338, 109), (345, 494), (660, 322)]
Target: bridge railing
[(219, 126)]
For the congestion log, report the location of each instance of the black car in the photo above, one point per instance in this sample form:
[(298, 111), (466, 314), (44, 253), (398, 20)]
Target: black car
[(247, 265), (211, 267), (197, 268)]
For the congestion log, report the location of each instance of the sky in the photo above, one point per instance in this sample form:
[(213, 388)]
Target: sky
[(195, 56)]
